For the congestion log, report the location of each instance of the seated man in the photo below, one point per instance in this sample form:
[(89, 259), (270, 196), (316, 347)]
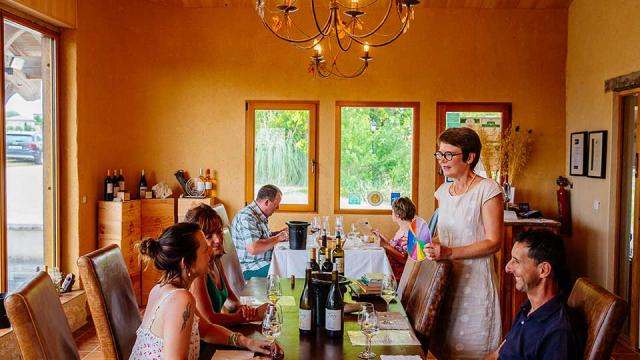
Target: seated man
[(251, 235), (542, 329)]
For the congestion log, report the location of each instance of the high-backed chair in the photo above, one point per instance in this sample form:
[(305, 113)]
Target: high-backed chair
[(219, 208), (39, 322), (602, 312), (426, 298), (407, 280), (231, 263), (111, 299)]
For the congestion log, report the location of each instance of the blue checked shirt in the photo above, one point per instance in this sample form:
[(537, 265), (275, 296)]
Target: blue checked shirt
[(250, 225)]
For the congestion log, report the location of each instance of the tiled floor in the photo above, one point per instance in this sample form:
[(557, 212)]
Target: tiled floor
[(90, 348)]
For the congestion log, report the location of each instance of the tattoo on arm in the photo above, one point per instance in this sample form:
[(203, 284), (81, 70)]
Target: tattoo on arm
[(185, 316)]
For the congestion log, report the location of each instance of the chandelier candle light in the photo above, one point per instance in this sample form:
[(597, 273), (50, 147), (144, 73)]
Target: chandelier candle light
[(343, 26)]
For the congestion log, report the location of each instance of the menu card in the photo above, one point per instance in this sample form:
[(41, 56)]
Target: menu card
[(252, 300), (232, 355), (393, 320), (384, 338)]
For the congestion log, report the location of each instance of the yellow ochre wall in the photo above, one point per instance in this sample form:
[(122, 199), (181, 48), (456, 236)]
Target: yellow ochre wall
[(163, 88), (603, 40)]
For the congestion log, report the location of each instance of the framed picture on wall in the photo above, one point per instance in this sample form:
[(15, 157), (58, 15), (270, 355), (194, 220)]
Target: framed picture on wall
[(597, 162), (579, 153)]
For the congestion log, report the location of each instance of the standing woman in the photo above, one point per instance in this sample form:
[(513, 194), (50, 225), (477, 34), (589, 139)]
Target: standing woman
[(470, 232), (171, 327)]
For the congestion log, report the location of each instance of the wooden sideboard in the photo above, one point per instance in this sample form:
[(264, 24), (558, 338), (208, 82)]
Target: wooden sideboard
[(510, 298)]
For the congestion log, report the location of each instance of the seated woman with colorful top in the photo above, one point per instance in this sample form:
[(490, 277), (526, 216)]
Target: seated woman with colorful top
[(211, 290), (403, 213)]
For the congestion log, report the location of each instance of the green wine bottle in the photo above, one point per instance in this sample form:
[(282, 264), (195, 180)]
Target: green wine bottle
[(338, 255), (334, 310), (305, 316)]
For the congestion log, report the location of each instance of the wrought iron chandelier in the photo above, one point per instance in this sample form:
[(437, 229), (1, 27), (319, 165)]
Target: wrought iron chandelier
[(345, 24)]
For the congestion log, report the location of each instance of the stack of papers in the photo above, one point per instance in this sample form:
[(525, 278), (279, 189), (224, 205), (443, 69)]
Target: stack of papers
[(384, 338)]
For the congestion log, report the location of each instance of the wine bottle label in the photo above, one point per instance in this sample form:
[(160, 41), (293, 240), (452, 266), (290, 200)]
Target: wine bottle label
[(304, 317), (340, 264), (208, 185), (121, 185), (143, 189), (321, 258), (333, 319), (116, 189), (200, 186), (109, 188)]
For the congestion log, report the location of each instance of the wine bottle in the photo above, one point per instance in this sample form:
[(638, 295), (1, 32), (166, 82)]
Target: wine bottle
[(116, 186), (327, 265), (338, 254), (200, 183), (305, 316), (323, 246), (143, 185), (214, 185), (121, 181), (312, 260), (333, 311), (108, 187), (208, 185)]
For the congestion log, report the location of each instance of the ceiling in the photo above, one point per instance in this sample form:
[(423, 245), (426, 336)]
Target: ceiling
[(484, 4)]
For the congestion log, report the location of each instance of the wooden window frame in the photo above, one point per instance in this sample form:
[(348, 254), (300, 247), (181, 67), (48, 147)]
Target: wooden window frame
[(312, 170), (441, 122), (414, 151), (51, 199)]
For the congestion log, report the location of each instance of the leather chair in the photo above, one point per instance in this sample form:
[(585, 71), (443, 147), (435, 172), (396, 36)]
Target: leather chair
[(39, 322), (407, 280), (231, 264), (426, 298), (111, 299), (602, 312), (219, 208)]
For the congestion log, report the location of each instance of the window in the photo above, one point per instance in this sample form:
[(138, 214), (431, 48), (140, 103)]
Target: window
[(281, 150), (489, 120), (29, 153), (376, 155)]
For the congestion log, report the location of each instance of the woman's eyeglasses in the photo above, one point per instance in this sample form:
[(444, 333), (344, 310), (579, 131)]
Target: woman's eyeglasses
[(447, 155)]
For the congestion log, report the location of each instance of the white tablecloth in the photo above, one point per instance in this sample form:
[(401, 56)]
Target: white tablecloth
[(287, 262)]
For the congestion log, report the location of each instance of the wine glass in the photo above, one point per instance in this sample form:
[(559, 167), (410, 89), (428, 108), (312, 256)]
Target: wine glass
[(368, 321), (272, 327), (274, 291), (56, 277), (389, 287)]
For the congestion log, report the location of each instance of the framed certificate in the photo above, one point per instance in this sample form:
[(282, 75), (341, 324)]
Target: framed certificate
[(579, 154), (597, 161)]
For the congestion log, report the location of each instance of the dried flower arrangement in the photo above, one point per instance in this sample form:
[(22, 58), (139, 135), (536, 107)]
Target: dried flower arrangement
[(490, 153), (514, 152)]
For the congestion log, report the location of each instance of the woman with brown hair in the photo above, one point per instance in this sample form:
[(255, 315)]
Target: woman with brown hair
[(469, 233), (403, 213), (172, 326), (211, 290)]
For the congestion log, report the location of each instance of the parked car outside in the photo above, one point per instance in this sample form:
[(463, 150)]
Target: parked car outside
[(24, 145)]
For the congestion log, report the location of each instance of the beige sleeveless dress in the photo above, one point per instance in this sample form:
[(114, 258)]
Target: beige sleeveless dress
[(469, 324)]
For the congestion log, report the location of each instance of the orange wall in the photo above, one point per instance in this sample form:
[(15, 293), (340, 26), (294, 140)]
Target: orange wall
[(163, 88), (602, 43)]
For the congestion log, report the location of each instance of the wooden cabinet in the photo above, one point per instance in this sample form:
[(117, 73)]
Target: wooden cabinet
[(184, 204), (156, 215), (119, 223), (510, 298)]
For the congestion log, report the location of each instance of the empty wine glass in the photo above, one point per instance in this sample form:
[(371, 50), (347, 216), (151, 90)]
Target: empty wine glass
[(368, 321), (274, 291), (56, 277), (389, 287), (272, 327)]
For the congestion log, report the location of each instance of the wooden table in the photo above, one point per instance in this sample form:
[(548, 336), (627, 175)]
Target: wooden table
[(510, 298), (319, 346)]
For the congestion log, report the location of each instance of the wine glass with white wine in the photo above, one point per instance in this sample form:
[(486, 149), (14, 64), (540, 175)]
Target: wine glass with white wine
[(274, 291), (272, 328), (368, 321), (389, 288)]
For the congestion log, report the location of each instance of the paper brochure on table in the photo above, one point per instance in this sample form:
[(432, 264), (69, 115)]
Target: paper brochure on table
[(393, 321), (384, 337), (253, 301), (232, 355)]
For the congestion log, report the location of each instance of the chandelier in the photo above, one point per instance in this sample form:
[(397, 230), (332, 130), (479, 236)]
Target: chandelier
[(334, 27)]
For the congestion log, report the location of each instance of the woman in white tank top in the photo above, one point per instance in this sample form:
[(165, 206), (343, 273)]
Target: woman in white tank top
[(171, 327)]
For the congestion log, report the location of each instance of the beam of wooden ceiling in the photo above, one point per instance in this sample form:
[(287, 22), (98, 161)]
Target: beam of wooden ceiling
[(482, 4)]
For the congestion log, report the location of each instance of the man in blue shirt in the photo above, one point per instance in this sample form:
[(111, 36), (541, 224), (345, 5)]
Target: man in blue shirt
[(251, 235), (542, 329)]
